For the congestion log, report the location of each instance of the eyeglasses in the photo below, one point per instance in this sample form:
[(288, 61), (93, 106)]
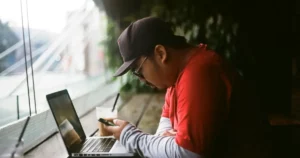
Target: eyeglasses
[(136, 72)]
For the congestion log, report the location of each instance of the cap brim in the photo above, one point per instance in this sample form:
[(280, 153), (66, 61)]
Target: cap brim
[(124, 68)]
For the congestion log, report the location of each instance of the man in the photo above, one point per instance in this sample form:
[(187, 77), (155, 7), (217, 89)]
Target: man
[(199, 91)]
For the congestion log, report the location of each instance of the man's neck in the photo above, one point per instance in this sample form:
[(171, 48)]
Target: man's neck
[(182, 57)]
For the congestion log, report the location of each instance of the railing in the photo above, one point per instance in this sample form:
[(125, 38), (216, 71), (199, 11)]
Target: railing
[(16, 101), (16, 106), (86, 92), (49, 53)]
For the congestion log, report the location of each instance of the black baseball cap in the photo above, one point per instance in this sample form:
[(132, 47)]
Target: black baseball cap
[(140, 38)]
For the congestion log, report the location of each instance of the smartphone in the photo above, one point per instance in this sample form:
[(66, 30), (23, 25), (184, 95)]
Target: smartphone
[(107, 123)]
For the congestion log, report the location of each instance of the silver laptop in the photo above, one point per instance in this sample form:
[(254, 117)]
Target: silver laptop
[(75, 140)]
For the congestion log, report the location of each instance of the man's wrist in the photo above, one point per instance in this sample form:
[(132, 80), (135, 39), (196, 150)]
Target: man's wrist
[(124, 130)]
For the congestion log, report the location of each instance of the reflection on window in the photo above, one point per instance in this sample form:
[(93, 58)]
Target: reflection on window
[(64, 44), (12, 62)]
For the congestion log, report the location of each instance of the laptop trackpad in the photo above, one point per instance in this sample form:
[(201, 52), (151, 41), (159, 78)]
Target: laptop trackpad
[(118, 148)]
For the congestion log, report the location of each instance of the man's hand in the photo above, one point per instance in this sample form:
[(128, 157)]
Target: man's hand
[(116, 130), (169, 133)]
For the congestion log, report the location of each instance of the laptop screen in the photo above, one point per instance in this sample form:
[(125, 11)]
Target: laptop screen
[(66, 118)]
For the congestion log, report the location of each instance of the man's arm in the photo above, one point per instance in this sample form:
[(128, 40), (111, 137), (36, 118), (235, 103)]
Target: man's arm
[(164, 125), (152, 146), (205, 94)]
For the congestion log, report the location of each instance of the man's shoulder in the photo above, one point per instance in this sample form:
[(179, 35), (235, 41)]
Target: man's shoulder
[(204, 57), (201, 63)]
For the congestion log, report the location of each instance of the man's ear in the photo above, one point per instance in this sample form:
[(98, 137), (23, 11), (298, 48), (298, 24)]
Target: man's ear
[(160, 53)]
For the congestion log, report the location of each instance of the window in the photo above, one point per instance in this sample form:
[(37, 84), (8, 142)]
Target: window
[(46, 46), (13, 47)]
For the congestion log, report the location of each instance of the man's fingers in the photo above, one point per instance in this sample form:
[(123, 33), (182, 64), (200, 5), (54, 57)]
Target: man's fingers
[(111, 129), (169, 133), (116, 130), (119, 122), (166, 134), (172, 131)]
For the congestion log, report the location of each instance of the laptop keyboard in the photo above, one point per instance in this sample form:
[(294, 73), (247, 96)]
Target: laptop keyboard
[(98, 145)]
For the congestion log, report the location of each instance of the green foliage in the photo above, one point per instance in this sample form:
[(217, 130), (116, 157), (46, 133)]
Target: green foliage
[(113, 60), (112, 57), (191, 19), (7, 36), (7, 39)]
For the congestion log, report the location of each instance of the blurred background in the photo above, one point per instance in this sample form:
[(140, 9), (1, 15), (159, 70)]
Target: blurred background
[(257, 37), (49, 45)]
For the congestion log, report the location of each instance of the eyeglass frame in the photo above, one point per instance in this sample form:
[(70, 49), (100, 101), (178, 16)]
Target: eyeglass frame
[(136, 72)]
